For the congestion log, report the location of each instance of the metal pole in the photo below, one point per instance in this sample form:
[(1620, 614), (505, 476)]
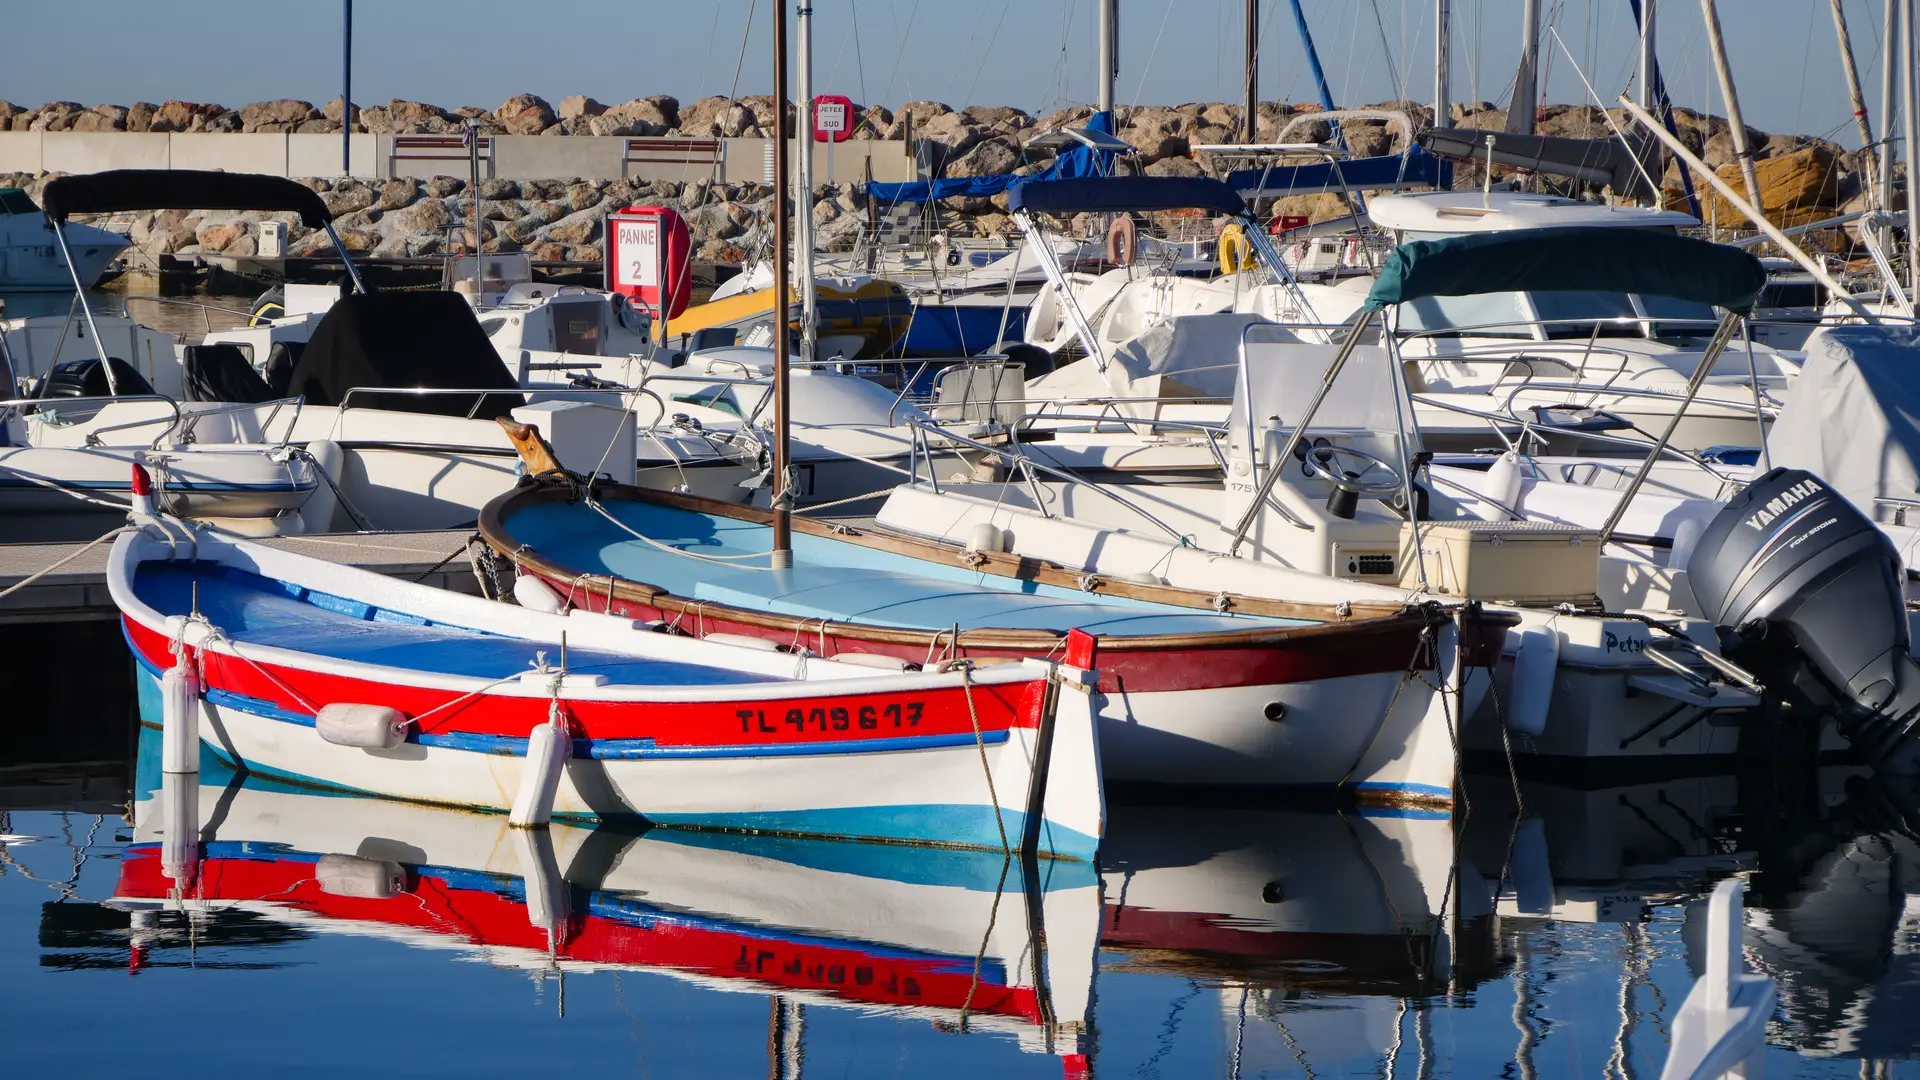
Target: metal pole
[(473, 173), (1249, 128), (1649, 59), (1526, 85), (1889, 107), (782, 290), (1722, 335), (1853, 84), (1724, 70), (1912, 121), (1313, 59), (80, 290), (1780, 239), (1109, 54), (1442, 63), (346, 89), (803, 203)]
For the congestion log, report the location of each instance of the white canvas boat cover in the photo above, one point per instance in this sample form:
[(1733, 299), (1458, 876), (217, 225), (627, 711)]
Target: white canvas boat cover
[(1200, 352), (1853, 418)]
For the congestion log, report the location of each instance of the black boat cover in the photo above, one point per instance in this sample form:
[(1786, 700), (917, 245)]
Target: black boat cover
[(394, 341), (220, 372), (179, 189)]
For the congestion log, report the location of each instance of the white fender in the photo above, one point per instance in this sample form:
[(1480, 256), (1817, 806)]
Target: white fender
[(548, 747), (548, 900), (1536, 660), (180, 718), (1532, 875), (745, 641), (986, 536), (369, 727), (536, 595), (1503, 479), (180, 842), (351, 875), (317, 513)]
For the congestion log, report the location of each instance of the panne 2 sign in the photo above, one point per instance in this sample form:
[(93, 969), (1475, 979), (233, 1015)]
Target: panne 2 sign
[(638, 247)]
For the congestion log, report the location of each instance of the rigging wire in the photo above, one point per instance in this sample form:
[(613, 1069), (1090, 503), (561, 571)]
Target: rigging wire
[(859, 61), (1393, 72), (733, 91), (706, 66), (1139, 88), (902, 54), (992, 40)]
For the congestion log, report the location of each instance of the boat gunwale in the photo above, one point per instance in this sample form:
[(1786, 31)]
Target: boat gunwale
[(1361, 620)]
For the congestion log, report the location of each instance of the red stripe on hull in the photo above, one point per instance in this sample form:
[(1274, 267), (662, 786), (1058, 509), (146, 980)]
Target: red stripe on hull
[(1307, 658), (806, 718), (492, 919)]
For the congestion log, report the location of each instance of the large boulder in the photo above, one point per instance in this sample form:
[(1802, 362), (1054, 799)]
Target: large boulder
[(654, 115), (576, 105), (702, 119), (221, 238), (331, 111), (989, 158), (283, 114), (348, 198), (396, 193), (56, 116), (425, 216), (399, 117), (580, 228), (8, 110), (183, 116), (140, 116), (1002, 118), (101, 118), (873, 122), (524, 114), (1796, 188), (1175, 166), (949, 135)]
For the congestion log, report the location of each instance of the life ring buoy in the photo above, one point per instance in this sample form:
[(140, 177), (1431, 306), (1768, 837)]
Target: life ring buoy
[(1123, 242), (1236, 251)]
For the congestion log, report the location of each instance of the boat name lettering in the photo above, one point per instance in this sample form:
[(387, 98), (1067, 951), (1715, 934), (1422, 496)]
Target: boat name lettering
[(1625, 644), (766, 962), (838, 718), (1777, 505)]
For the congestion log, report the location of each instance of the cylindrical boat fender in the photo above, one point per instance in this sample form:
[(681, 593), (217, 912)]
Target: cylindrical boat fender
[(180, 717), (369, 727), (872, 660), (1532, 873), (1123, 241), (1686, 536), (1503, 479), (534, 594), (1236, 251), (1536, 661), (180, 840), (548, 902), (351, 875), (986, 536), (316, 514), (549, 745)]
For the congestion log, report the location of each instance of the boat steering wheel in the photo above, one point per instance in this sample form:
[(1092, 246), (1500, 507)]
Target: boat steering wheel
[(1332, 462)]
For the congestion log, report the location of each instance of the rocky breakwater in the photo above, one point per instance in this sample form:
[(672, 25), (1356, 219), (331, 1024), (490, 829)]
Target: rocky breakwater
[(1804, 179)]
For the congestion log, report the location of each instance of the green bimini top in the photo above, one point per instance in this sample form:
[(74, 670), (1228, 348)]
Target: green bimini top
[(1573, 259)]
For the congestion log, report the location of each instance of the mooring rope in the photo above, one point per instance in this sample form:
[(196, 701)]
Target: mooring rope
[(965, 668), (82, 550)]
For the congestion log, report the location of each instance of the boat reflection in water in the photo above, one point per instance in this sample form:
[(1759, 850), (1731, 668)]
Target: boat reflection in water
[(971, 942), (1841, 938), (1313, 934)]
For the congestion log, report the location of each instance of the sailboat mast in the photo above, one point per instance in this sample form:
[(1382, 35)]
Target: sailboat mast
[(1313, 58), (1889, 109), (1649, 62), (803, 199), (1109, 53), (1442, 63), (1854, 92), (1526, 84), (1913, 137), (782, 492), (1249, 128), (1721, 68)]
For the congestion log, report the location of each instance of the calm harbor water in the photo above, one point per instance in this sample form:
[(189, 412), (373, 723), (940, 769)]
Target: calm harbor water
[(312, 934)]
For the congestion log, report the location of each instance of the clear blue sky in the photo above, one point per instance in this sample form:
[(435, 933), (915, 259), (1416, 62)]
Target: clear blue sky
[(1035, 54)]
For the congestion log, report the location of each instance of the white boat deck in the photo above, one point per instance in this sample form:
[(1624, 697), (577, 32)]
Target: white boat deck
[(78, 590)]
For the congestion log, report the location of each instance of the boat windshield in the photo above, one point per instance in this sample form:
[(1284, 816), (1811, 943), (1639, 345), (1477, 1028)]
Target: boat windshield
[(15, 201), (1574, 314)]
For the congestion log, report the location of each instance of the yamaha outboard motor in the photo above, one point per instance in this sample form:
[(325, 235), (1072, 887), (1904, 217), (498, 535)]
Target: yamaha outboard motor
[(1807, 593)]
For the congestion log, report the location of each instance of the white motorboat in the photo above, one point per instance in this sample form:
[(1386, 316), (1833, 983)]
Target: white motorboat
[(34, 256)]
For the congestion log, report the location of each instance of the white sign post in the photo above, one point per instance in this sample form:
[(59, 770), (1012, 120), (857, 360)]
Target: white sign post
[(830, 117)]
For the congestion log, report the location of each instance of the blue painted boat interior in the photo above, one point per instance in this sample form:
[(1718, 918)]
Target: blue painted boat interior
[(831, 579), (251, 609)]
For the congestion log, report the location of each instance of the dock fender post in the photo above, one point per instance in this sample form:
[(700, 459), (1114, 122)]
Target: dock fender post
[(549, 902), (1536, 662), (549, 745)]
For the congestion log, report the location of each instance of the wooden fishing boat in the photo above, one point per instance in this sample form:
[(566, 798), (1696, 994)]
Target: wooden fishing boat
[(1326, 697), (949, 937), (326, 675)]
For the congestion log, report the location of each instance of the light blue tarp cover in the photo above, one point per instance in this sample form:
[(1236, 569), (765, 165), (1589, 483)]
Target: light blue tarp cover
[(1073, 163)]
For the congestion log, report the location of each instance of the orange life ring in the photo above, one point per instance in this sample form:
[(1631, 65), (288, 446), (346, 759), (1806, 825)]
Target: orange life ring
[(1123, 242)]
